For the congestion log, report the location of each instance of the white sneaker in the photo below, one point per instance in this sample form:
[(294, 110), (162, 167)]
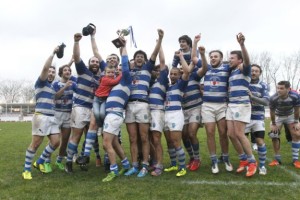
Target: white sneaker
[(228, 166), (254, 147), (263, 170), (214, 168), (75, 158)]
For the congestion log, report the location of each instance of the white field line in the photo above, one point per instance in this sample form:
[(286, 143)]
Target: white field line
[(226, 183), (292, 173), (269, 183)]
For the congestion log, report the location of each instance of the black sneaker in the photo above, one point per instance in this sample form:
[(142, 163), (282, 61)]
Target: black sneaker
[(83, 160), (69, 167)]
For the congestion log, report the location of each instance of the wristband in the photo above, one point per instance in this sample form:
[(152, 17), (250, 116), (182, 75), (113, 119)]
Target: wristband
[(273, 123), (296, 121)]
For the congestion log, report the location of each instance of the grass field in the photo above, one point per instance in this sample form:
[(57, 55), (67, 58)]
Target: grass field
[(281, 182)]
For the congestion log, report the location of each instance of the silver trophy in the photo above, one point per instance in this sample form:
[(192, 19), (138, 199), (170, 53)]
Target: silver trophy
[(121, 33)]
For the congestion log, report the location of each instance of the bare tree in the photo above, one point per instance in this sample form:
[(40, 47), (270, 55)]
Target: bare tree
[(27, 92), (10, 90), (291, 69)]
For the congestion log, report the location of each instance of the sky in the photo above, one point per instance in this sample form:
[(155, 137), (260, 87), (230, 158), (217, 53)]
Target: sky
[(31, 29)]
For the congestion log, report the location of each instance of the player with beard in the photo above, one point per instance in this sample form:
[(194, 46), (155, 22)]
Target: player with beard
[(87, 82), (258, 92), (43, 121), (214, 106)]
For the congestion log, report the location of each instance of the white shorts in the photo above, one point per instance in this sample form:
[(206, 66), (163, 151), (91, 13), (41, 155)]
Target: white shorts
[(192, 115), (112, 124), (213, 112), (174, 120), (80, 117), (44, 125), (284, 120), (157, 120), (255, 126), (239, 112), (138, 112), (63, 119)]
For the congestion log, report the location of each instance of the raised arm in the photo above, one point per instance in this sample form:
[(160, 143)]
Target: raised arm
[(162, 61), (185, 67), (158, 44), (60, 92), (47, 65), (246, 60), (76, 49), (194, 49), (202, 71), (95, 47)]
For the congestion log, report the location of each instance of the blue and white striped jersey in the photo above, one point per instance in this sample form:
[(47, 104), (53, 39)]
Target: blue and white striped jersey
[(141, 80), (65, 102), (87, 83), (238, 85), (260, 90), (216, 84), (158, 91), (174, 95), (284, 107), (44, 97), (119, 95), (192, 96)]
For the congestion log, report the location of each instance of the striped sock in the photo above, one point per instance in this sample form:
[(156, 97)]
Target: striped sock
[(71, 150), (262, 154), (225, 157), (89, 141), (59, 159), (188, 146), (196, 150), (213, 158), (172, 154), (278, 157), (46, 154), (251, 158), (28, 159), (243, 157), (135, 165), (295, 150), (181, 157), (125, 163), (114, 168)]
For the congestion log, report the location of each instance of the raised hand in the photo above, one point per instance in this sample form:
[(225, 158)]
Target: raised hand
[(178, 53), (77, 37), (197, 38), (201, 49), (240, 38), (160, 33)]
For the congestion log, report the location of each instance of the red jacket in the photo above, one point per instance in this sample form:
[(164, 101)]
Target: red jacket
[(106, 84)]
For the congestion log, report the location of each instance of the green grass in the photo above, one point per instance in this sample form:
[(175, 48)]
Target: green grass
[(280, 182)]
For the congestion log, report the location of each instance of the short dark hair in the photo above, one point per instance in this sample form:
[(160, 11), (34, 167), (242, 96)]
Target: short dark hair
[(113, 54), (216, 51), (140, 52), (187, 39), (61, 69), (259, 67), (53, 67), (286, 84), (238, 53)]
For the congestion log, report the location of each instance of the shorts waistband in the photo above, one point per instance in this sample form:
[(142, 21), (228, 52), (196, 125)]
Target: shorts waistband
[(138, 100)]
